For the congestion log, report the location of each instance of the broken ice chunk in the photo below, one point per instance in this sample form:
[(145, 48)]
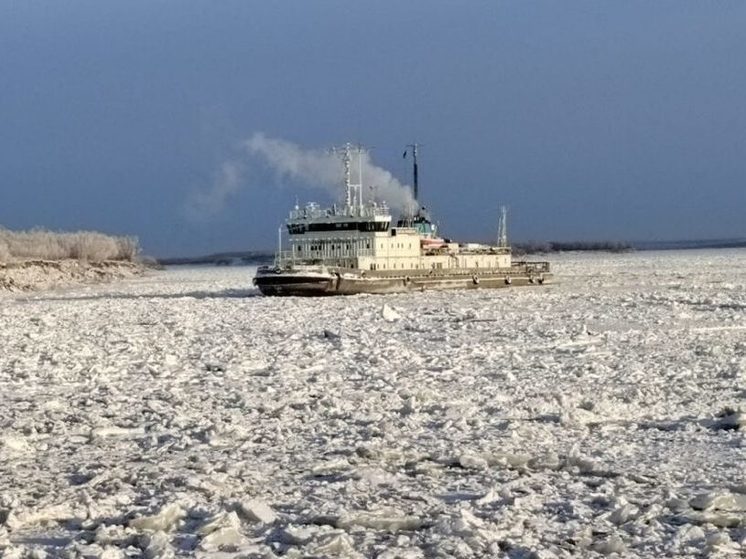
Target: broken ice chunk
[(222, 531), (297, 535), (623, 513), (157, 545), (613, 544), (719, 500), (473, 462), (114, 431), (55, 513), (255, 510), (337, 545), (165, 520), (391, 522), (389, 314)]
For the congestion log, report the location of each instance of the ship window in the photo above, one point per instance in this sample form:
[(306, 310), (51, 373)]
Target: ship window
[(296, 229)]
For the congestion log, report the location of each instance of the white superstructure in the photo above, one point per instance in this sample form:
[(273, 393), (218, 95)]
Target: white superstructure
[(361, 236)]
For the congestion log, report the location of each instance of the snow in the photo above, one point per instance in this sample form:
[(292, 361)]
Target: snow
[(182, 414)]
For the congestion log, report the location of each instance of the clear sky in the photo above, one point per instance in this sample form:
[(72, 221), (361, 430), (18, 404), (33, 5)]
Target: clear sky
[(590, 120)]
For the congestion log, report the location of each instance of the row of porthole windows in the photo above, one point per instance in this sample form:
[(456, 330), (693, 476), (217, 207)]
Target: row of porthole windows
[(313, 248), (398, 245), (402, 267)]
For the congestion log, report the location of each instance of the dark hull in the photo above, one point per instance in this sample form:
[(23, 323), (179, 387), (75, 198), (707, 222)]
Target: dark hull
[(287, 283)]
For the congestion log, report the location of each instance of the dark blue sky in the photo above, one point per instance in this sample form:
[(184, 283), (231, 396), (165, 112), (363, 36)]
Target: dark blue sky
[(590, 120)]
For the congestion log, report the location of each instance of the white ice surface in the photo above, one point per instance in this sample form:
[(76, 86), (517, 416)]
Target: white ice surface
[(182, 414)]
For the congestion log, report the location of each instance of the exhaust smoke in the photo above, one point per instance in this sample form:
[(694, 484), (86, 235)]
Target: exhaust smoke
[(303, 167)]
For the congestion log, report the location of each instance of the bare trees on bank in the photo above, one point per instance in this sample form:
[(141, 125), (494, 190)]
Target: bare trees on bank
[(40, 244), (538, 247)]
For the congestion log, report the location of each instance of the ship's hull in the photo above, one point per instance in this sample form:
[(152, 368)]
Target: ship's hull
[(290, 282)]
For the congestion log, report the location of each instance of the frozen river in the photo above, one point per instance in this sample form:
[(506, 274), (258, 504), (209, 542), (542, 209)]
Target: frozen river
[(184, 414)]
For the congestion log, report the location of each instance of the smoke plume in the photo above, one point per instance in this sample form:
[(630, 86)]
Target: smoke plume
[(204, 204), (324, 169), (307, 168)]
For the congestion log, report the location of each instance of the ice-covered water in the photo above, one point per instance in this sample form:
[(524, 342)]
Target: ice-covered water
[(183, 414)]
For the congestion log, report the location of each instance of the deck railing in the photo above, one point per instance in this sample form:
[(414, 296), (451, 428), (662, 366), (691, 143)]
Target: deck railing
[(288, 256), (316, 212)]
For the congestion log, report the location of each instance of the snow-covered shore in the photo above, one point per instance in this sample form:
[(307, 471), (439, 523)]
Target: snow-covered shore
[(181, 413), (34, 275)]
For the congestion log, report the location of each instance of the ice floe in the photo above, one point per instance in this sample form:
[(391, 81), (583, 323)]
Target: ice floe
[(179, 414)]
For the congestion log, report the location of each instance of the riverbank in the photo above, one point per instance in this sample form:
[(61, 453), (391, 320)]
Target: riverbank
[(37, 275)]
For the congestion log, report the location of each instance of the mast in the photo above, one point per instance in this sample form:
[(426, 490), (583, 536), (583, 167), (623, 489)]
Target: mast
[(278, 258), (414, 147), (348, 183), (360, 150), (353, 192), (502, 228)]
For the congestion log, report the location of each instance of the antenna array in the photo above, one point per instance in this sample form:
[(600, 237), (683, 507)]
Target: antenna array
[(353, 191)]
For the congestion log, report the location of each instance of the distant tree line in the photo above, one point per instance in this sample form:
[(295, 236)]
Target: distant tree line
[(40, 244), (533, 247), (222, 258)]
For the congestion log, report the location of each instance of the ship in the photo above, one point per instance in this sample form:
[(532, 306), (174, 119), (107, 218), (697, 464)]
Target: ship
[(358, 248)]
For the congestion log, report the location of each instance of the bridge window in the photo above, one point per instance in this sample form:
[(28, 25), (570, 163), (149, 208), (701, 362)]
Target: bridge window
[(366, 226)]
